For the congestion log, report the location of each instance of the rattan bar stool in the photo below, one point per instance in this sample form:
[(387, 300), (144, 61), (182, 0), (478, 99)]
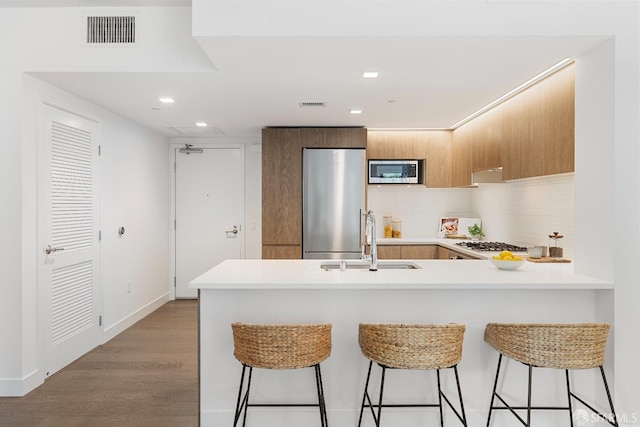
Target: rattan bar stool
[(280, 347), (411, 346), (559, 346)]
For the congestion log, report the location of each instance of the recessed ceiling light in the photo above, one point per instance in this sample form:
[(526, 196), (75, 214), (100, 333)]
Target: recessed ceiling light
[(354, 111), (166, 100), (201, 124), (370, 75)]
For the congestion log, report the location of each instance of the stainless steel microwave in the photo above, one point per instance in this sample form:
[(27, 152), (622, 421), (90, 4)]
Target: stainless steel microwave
[(394, 171)]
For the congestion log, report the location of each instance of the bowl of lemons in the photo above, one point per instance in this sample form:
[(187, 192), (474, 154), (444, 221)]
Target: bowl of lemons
[(505, 260)]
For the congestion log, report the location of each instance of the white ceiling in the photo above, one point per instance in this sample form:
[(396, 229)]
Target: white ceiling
[(425, 82)]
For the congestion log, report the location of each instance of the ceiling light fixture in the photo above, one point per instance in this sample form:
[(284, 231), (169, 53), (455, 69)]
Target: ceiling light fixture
[(354, 111), (201, 124), (557, 67), (166, 100), (370, 75)]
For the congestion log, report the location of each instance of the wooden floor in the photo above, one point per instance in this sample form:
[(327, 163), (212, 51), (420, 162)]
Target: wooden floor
[(146, 376)]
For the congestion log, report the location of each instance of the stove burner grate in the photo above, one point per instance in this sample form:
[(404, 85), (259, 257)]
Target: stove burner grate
[(492, 246)]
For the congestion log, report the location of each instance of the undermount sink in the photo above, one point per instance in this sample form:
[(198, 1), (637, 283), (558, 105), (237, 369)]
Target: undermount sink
[(364, 265)]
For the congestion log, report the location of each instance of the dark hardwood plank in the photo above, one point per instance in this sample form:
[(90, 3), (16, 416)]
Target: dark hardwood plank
[(146, 376)]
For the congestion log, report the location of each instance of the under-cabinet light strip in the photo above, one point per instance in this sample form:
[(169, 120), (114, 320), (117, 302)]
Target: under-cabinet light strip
[(557, 67)]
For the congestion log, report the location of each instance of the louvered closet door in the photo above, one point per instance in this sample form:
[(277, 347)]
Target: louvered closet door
[(68, 236)]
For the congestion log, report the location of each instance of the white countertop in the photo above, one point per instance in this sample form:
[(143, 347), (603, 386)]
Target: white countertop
[(433, 274)]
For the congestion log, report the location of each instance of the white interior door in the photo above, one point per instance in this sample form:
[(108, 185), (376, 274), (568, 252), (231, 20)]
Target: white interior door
[(209, 210), (68, 279)]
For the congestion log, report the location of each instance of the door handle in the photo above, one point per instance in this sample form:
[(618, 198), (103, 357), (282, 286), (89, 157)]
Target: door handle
[(234, 231), (50, 249)]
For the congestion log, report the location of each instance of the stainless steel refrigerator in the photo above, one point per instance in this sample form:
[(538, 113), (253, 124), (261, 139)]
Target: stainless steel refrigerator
[(333, 202)]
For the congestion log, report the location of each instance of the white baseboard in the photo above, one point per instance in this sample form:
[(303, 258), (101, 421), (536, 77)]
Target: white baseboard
[(118, 327), (18, 387)]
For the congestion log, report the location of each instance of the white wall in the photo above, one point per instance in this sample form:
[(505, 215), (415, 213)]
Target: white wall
[(135, 195), (419, 208), (524, 212)]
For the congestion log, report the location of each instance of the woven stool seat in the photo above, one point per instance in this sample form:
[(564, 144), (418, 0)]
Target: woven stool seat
[(412, 346), (561, 346), (280, 347), (566, 346)]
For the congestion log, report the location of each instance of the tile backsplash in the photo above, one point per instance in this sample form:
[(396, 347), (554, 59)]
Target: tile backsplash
[(522, 212)]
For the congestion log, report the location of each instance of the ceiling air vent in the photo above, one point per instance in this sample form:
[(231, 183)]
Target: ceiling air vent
[(111, 30), (312, 104), (196, 130)]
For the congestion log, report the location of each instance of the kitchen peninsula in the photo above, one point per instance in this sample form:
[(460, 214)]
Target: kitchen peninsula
[(472, 292)]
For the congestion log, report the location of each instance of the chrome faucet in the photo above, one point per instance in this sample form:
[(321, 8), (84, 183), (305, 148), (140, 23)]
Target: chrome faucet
[(370, 233)]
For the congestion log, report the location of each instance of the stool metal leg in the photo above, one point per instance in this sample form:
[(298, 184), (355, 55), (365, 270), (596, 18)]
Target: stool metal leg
[(493, 393), (606, 387), (321, 403), (384, 371), (606, 418), (366, 398), (365, 395), (243, 402), (529, 397), (566, 371), (440, 398), (462, 416)]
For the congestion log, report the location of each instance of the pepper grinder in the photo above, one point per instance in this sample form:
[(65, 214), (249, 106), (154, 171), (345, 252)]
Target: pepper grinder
[(555, 247)]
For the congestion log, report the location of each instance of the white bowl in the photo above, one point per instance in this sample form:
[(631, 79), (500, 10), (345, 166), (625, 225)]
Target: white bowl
[(506, 264)]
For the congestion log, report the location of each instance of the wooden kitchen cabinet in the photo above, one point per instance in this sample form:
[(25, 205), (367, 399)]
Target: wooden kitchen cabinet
[(438, 159), (389, 252), (486, 141), (557, 123), (395, 145), (434, 147), (281, 187), (407, 251), (418, 251), (538, 128), (281, 251), (529, 135), (333, 137), (461, 157)]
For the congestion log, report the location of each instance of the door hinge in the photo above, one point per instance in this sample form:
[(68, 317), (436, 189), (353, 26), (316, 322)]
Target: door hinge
[(99, 150), (100, 320), (174, 167), (174, 282), (174, 224), (99, 235)]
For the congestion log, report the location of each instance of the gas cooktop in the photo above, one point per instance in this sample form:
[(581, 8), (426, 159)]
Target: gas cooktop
[(491, 246)]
